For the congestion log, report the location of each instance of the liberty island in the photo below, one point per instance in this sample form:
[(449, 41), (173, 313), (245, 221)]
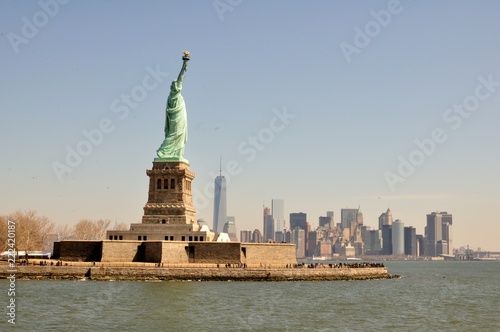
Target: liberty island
[(169, 244)]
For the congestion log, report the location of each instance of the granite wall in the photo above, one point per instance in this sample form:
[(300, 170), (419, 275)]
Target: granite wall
[(123, 251), (78, 251), (177, 252), (269, 254), (214, 252)]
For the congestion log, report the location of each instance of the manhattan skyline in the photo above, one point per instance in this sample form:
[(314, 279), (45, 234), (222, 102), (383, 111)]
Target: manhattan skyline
[(375, 104)]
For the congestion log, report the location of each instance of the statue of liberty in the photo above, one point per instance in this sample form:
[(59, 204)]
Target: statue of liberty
[(172, 148)]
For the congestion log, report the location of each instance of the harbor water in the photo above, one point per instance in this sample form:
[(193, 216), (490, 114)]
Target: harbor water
[(429, 296)]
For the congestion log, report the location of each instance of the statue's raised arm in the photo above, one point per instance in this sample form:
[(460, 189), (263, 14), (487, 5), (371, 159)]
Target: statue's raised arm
[(185, 60)]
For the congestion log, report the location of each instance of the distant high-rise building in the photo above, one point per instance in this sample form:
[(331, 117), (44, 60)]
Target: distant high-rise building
[(299, 237), (442, 247), (246, 236), (438, 229), (268, 228), (298, 220), (267, 225), (230, 229), (220, 202), (278, 213), (265, 213), (398, 237), (387, 240), (327, 221), (447, 221), (359, 217), (420, 245), (372, 239), (312, 241), (352, 221), (348, 216), (355, 232), (279, 237), (410, 241), (256, 236), (385, 219)]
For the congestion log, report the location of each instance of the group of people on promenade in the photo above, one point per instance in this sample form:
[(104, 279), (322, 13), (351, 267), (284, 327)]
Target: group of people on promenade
[(315, 265), (244, 265), (339, 265), (42, 263)]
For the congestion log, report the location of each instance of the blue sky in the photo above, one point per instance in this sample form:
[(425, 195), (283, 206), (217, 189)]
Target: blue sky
[(271, 89)]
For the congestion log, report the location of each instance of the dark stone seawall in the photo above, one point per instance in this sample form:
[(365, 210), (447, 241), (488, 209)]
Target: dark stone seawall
[(194, 273)]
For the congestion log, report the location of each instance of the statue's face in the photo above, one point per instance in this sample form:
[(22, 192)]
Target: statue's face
[(173, 86)]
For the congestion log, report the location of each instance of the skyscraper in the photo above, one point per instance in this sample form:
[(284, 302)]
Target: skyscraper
[(420, 245), (410, 241), (312, 241), (355, 231), (298, 220), (326, 222), (372, 240), (385, 219), (299, 228), (398, 237), (278, 213), (438, 234), (256, 236), (268, 228), (348, 216), (267, 225), (230, 229), (279, 237), (246, 235), (299, 238), (447, 232), (220, 201), (387, 240)]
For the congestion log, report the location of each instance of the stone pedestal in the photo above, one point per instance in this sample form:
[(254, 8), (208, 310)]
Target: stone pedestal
[(170, 199)]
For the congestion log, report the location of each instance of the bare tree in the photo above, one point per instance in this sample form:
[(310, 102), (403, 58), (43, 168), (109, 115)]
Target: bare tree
[(101, 227), (64, 232), (3, 233), (32, 231), (87, 229)]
